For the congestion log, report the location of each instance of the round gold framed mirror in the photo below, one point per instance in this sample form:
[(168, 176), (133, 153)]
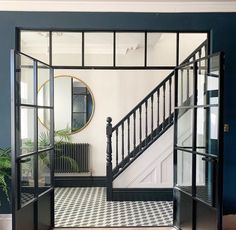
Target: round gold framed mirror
[(73, 103)]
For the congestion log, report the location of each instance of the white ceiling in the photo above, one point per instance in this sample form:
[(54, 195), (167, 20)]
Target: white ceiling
[(119, 5)]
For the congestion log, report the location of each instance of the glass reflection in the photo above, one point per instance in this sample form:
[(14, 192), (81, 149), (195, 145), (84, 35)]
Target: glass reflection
[(27, 130), (184, 171), (130, 49), (184, 128), (205, 169), (35, 44), (27, 180), (44, 166), (98, 49), (66, 48), (44, 130), (161, 49), (43, 76), (25, 76)]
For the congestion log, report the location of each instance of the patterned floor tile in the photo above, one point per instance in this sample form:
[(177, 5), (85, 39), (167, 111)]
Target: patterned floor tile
[(87, 207)]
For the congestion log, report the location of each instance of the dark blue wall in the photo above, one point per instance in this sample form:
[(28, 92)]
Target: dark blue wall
[(223, 30)]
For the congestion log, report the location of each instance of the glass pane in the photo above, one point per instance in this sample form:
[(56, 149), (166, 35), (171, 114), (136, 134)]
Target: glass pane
[(44, 167), (204, 179), (27, 130), (43, 85), (185, 86), (79, 103), (44, 128), (184, 128), (201, 132), (25, 77), (214, 65), (184, 171), (66, 49), (207, 86), (161, 49), (79, 119), (98, 49), (207, 130), (188, 42), (27, 180), (35, 44), (130, 49)]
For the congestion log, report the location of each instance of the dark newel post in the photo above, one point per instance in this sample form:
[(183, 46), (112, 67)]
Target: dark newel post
[(109, 159)]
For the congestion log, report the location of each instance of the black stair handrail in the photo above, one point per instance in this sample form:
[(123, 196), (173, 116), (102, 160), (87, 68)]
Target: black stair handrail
[(198, 50), (158, 100)]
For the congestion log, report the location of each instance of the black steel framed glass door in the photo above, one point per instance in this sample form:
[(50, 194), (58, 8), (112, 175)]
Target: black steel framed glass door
[(32, 144), (198, 144)]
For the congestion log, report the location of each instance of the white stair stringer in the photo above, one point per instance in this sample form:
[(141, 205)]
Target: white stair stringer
[(153, 169)]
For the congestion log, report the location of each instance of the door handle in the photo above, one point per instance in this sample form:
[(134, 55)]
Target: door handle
[(209, 159)]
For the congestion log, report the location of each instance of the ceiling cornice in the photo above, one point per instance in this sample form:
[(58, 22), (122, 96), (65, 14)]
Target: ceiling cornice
[(116, 6)]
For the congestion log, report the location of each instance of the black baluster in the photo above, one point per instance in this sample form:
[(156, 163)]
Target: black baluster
[(164, 105), (170, 85), (109, 158), (117, 149), (140, 127), (128, 135), (122, 141), (152, 116), (182, 87), (146, 120), (200, 55), (134, 129), (188, 84), (158, 108)]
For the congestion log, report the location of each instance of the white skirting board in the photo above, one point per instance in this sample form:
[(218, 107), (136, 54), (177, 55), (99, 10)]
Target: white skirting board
[(5, 222)]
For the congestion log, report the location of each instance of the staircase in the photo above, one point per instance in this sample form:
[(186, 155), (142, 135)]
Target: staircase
[(146, 122)]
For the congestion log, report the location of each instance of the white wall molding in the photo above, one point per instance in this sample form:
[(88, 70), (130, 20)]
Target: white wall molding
[(118, 6)]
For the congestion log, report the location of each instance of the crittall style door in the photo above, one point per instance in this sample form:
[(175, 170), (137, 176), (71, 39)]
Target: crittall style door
[(32, 143), (198, 144)]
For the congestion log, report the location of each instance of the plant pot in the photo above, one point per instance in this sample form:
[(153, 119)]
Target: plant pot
[(5, 221)]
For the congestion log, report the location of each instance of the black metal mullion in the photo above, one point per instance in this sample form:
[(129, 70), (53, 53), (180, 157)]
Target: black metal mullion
[(177, 48), (35, 156), (14, 137), (50, 48), (175, 125), (82, 49), (114, 49), (72, 104), (194, 143), (175, 141), (220, 143), (52, 152), (85, 67), (145, 49)]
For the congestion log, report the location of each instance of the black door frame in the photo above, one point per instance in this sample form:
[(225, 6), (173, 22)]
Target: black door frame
[(18, 158), (214, 159)]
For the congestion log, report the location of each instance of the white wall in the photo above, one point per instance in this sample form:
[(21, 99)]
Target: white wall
[(115, 93)]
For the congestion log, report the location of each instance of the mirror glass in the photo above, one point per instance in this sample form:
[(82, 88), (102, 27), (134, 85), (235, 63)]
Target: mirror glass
[(73, 104)]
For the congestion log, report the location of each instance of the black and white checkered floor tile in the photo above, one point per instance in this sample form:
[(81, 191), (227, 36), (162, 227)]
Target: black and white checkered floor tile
[(87, 207)]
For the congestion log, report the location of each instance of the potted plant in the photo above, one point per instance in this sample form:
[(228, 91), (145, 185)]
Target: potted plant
[(5, 166)]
